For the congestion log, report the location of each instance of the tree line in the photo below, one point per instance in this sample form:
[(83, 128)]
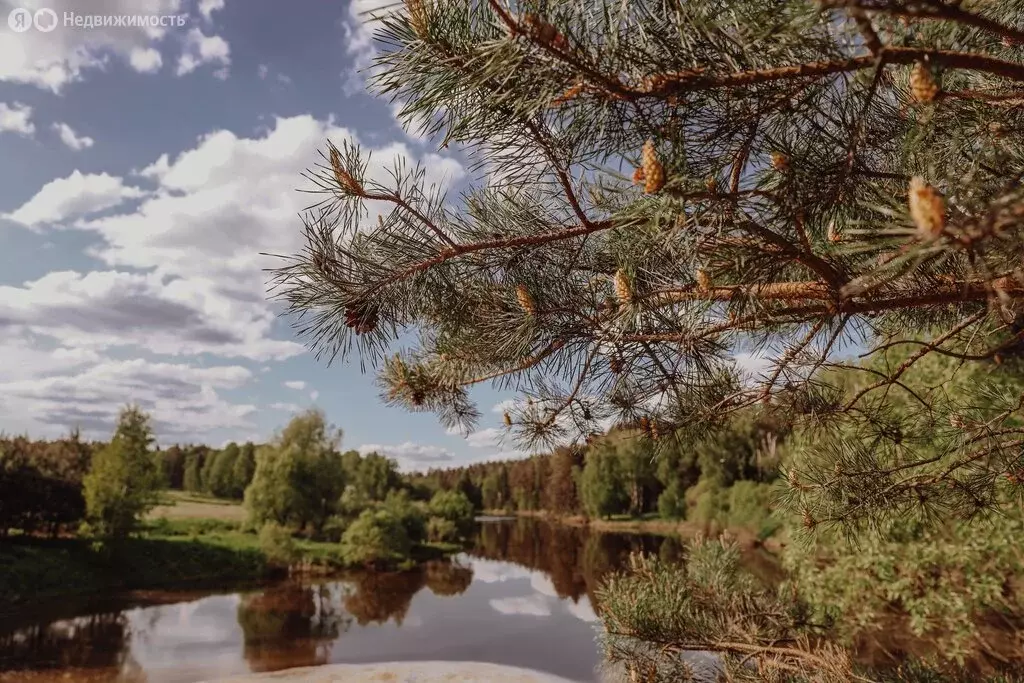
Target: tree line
[(724, 477)]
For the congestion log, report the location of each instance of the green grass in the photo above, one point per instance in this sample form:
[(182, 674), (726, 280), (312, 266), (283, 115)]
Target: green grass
[(175, 546), (175, 505), (36, 568)]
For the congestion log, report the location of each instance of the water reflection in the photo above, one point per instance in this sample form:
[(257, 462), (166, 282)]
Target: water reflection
[(522, 596), (290, 625)]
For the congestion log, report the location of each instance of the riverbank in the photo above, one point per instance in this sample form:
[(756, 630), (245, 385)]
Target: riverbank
[(166, 554), (655, 526)]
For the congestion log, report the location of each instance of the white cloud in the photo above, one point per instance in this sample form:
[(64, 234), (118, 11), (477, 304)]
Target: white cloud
[(409, 455), (208, 7), (182, 400), (296, 384), (262, 71), (183, 267), (314, 395), (101, 310), (582, 610), (16, 118), (286, 407), (145, 60), (70, 138), (485, 438), (491, 571), (71, 197), (533, 605), (53, 60), (504, 406), (201, 49)]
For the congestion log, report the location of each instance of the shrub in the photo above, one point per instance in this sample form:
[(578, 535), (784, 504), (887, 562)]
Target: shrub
[(672, 505), (408, 513), (334, 528), (455, 507), (277, 544), (375, 538), (442, 530)]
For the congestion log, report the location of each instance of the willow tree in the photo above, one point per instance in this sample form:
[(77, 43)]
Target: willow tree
[(663, 186)]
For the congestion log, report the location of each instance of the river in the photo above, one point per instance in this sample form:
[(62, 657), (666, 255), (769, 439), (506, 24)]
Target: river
[(521, 596)]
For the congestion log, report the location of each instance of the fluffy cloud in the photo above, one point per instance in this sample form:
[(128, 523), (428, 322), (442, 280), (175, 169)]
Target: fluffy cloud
[(16, 118), (53, 60), (70, 138), (296, 384), (112, 309), (77, 195), (533, 605), (208, 7), (201, 49), (409, 455), (145, 60), (182, 400)]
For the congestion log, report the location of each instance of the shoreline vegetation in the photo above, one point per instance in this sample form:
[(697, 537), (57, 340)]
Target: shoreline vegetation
[(175, 549)]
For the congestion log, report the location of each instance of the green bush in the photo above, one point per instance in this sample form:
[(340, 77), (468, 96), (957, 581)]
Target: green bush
[(408, 513), (671, 504), (455, 507), (334, 528), (375, 538), (442, 530), (277, 544)]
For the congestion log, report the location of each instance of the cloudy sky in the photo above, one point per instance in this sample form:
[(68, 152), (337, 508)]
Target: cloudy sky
[(142, 172)]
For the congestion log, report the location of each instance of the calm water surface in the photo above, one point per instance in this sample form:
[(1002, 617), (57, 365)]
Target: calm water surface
[(523, 596)]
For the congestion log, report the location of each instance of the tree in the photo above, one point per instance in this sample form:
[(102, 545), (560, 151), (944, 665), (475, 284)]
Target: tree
[(560, 491), (806, 177), (375, 538), (603, 484), (298, 479), (455, 507), (124, 476), (376, 475), (789, 195), (219, 478), (192, 474), (244, 467)]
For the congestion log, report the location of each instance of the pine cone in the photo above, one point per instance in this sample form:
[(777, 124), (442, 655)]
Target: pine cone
[(623, 287), (362, 319), (525, 299), (834, 236), (568, 95), (543, 32), (645, 425), (780, 162), (344, 178), (615, 365), (507, 418), (417, 17), (808, 519), (711, 184), (638, 176), (654, 172), (927, 208), (922, 84), (703, 281)]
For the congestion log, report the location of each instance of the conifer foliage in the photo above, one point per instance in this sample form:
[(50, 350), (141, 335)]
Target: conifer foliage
[(664, 185)]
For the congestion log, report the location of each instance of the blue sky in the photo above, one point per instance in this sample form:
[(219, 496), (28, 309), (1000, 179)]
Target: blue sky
[(142, 172)]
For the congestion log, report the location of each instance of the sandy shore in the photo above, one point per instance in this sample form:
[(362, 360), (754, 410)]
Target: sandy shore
[(400, 672)]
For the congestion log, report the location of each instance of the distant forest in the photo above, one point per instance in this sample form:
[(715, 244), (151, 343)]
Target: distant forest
[(724, 478)]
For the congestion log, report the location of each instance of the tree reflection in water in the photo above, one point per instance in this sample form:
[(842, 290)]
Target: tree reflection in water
[(96, 646), (289, 625), (574, 558), (377, 597), (448, 577)]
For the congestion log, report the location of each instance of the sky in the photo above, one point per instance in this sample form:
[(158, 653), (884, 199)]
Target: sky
[(143, 170)]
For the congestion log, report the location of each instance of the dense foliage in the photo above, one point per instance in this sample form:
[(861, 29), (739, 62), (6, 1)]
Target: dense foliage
[(123, 477)]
